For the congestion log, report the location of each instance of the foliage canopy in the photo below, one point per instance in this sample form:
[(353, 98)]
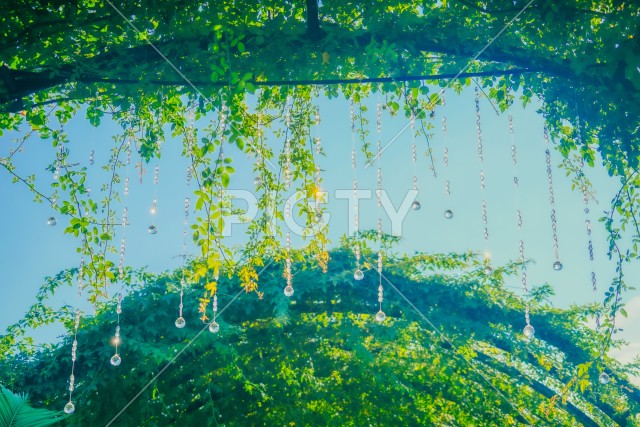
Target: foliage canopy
[(249, 68), (322, 359)]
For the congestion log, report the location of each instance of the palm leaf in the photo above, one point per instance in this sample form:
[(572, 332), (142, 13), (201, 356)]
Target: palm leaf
[(15, 411)]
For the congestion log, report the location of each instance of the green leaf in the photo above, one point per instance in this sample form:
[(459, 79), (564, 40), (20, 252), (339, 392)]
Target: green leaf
[(225, 180)]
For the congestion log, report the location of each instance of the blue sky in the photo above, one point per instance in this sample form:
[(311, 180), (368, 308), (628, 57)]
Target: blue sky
[(31, 250)]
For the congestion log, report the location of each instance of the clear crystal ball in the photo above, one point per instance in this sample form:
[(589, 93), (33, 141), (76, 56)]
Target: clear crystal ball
[(180, 322), (116, 360), (604, 378), (214, 327), (528, 331), (69, 408)]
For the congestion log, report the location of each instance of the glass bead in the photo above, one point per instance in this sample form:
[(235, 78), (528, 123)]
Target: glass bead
[(557, 266), (358, 274), (116, 360), (448, 214), (416, 205), (528, 331), (69, 408), (119, 310), (380, 316), (51, 221), (488, 270), (288, 291), (604, 378), (152, 229), (180, 322), (214, 327)]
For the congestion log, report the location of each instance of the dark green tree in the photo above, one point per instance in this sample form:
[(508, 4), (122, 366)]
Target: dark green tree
[(451, 353)]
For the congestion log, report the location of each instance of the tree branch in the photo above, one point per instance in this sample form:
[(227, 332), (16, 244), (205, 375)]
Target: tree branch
[(321, 82), (25, 182)]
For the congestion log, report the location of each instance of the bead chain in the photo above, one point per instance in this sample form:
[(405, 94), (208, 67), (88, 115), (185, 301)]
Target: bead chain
[(379, 153), (153, 229), (116, 360), (81, 277), (70, 408), (214, 327), (59, 157), (156, 180), (221, 190), (317, 141), (92, 152), (380, 316), (215, 305), (414, 156), (259, 157), (445, 151), (481, 158), (523, 267), (354, 167), (287, 170), (448, 213), (287, 151), (180, 322), (587, 221), (317, 178), (357, 275), (123, 242), (554, 227), (288, 290)]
